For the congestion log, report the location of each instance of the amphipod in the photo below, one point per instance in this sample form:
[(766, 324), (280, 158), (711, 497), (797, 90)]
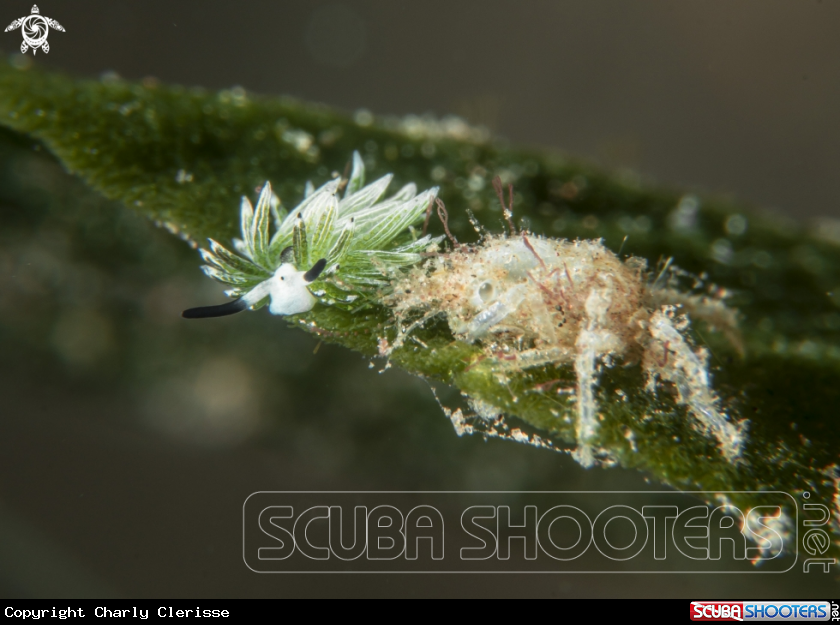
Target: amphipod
[(532, 301)]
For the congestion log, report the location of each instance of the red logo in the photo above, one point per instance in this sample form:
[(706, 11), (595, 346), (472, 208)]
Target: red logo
[(717, 611)]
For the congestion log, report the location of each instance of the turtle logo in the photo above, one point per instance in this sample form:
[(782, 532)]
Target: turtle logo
[(35, 29)]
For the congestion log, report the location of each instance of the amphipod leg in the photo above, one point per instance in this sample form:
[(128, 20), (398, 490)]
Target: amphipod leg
[(688, 372), (592, 341), (713, 311), (534, 358), (404, 333), (587, 423)]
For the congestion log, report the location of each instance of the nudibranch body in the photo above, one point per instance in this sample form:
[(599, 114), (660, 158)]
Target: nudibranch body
[(328, 249)]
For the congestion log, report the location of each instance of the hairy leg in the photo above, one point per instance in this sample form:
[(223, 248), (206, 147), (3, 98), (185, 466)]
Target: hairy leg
[(670, 358), (593, 341), (700, 307)]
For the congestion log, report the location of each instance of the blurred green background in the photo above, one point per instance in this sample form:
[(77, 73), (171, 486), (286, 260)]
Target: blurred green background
[(130, 438)]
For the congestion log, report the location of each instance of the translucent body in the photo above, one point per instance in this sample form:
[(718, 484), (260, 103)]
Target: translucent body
[(533, 301)]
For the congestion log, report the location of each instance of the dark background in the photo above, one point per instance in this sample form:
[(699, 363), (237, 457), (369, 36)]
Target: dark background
[(731, 97), (108, 491)]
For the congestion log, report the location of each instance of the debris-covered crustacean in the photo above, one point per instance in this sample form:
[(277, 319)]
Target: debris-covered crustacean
[(533, 301)]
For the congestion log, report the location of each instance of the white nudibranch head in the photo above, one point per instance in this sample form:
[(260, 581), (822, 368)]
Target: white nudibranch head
[(337, 251), (289, 292)]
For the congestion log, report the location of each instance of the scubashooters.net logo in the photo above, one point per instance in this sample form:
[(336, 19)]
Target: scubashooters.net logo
[(530, 532), (35, 29), (797, 611)]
